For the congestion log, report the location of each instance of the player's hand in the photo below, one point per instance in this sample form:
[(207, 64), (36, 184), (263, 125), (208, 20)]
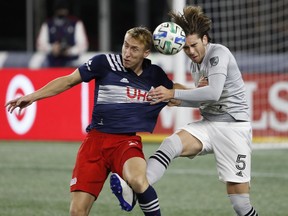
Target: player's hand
[(56, 49), (174, 102), (203, 82), (20, 102), (161, 94)]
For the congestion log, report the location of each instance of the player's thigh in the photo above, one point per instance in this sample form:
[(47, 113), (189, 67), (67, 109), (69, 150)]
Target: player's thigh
[(196, 139), (232, 148), (191, 145), (133, 164), (134, 172), (90, 170), (134, 167), (128, 148)]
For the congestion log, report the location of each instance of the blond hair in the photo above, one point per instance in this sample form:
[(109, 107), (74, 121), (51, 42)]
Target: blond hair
[(141, 34)]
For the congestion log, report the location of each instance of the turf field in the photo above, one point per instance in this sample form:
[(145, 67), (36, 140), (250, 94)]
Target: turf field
[(35, 176)]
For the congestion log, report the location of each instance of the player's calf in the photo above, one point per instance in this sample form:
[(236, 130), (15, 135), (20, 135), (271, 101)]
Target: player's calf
[(241, 205)]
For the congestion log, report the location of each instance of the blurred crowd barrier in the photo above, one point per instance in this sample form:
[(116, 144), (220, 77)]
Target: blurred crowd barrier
[(66, 116), (248, 62)]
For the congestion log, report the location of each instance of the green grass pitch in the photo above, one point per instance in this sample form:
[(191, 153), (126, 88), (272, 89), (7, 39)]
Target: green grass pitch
[(35, 176)]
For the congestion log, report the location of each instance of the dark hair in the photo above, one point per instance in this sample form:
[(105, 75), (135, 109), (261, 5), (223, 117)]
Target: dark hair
[(192, 21), (60, 4), (142, 34)]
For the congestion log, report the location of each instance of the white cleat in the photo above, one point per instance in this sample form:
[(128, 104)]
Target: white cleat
[(123, 192)]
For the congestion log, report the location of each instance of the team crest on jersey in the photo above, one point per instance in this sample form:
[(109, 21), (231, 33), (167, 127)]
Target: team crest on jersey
[(88, 63), (214, 61)]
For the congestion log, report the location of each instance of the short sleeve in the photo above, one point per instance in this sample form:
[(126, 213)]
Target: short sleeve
[(94, 68)]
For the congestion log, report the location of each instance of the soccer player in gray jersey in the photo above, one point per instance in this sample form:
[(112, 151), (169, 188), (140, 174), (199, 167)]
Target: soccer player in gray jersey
[(225, 129)]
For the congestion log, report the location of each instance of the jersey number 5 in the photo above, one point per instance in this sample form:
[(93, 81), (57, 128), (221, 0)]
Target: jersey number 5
[(240, 162)]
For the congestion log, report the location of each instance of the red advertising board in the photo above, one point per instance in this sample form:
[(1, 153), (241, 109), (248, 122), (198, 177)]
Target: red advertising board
[(66, 116), (56, 118)]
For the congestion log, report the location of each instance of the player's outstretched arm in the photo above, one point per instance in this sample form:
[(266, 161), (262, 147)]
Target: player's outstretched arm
[(20, 102), (54, 87), (179, 86)]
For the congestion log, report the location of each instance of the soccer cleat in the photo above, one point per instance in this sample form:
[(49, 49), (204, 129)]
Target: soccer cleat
[(123, 192)]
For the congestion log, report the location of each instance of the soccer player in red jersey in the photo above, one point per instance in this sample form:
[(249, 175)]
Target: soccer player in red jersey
[(121, 109)]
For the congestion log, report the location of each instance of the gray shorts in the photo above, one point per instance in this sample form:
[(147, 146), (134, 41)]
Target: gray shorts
[(231, 143)]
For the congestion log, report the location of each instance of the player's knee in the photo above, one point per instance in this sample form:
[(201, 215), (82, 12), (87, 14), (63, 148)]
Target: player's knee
[(139, 183), (76, 210)]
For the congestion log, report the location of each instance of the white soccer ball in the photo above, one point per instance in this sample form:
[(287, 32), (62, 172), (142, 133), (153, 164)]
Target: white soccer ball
[(168, 38)]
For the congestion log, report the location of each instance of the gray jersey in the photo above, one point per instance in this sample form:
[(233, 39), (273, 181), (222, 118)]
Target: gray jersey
[(224, 97)]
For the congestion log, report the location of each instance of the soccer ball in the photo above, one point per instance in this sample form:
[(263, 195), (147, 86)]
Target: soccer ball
[(168, 38)]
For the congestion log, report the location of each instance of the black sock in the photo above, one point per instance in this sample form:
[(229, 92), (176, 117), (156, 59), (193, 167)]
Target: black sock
[(148, 202)]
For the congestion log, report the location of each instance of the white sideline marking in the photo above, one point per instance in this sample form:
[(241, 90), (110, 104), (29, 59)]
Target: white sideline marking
[(270, 146)]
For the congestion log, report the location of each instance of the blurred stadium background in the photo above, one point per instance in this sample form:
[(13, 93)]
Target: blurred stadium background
[(256, 31)]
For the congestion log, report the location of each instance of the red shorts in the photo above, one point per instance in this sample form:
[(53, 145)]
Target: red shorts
[(99, 154)]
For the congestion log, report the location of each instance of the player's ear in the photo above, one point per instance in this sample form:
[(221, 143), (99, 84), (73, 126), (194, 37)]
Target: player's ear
[(146, 53), (205, 39)]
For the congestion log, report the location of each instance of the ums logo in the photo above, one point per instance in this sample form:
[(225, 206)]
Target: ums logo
[(20, 85)]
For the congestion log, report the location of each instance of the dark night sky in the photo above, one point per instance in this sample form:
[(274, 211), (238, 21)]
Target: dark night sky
[(123, 16)]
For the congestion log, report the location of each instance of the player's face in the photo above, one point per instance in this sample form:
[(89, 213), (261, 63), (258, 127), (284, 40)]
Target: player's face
[(195, 48), (133, 53)]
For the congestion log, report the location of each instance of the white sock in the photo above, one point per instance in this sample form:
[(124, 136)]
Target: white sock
[(157, 164), (241, 204)]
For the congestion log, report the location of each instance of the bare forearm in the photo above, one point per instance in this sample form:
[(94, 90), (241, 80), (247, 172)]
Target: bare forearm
[(54, 87), (178, 86), (58, 86)]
